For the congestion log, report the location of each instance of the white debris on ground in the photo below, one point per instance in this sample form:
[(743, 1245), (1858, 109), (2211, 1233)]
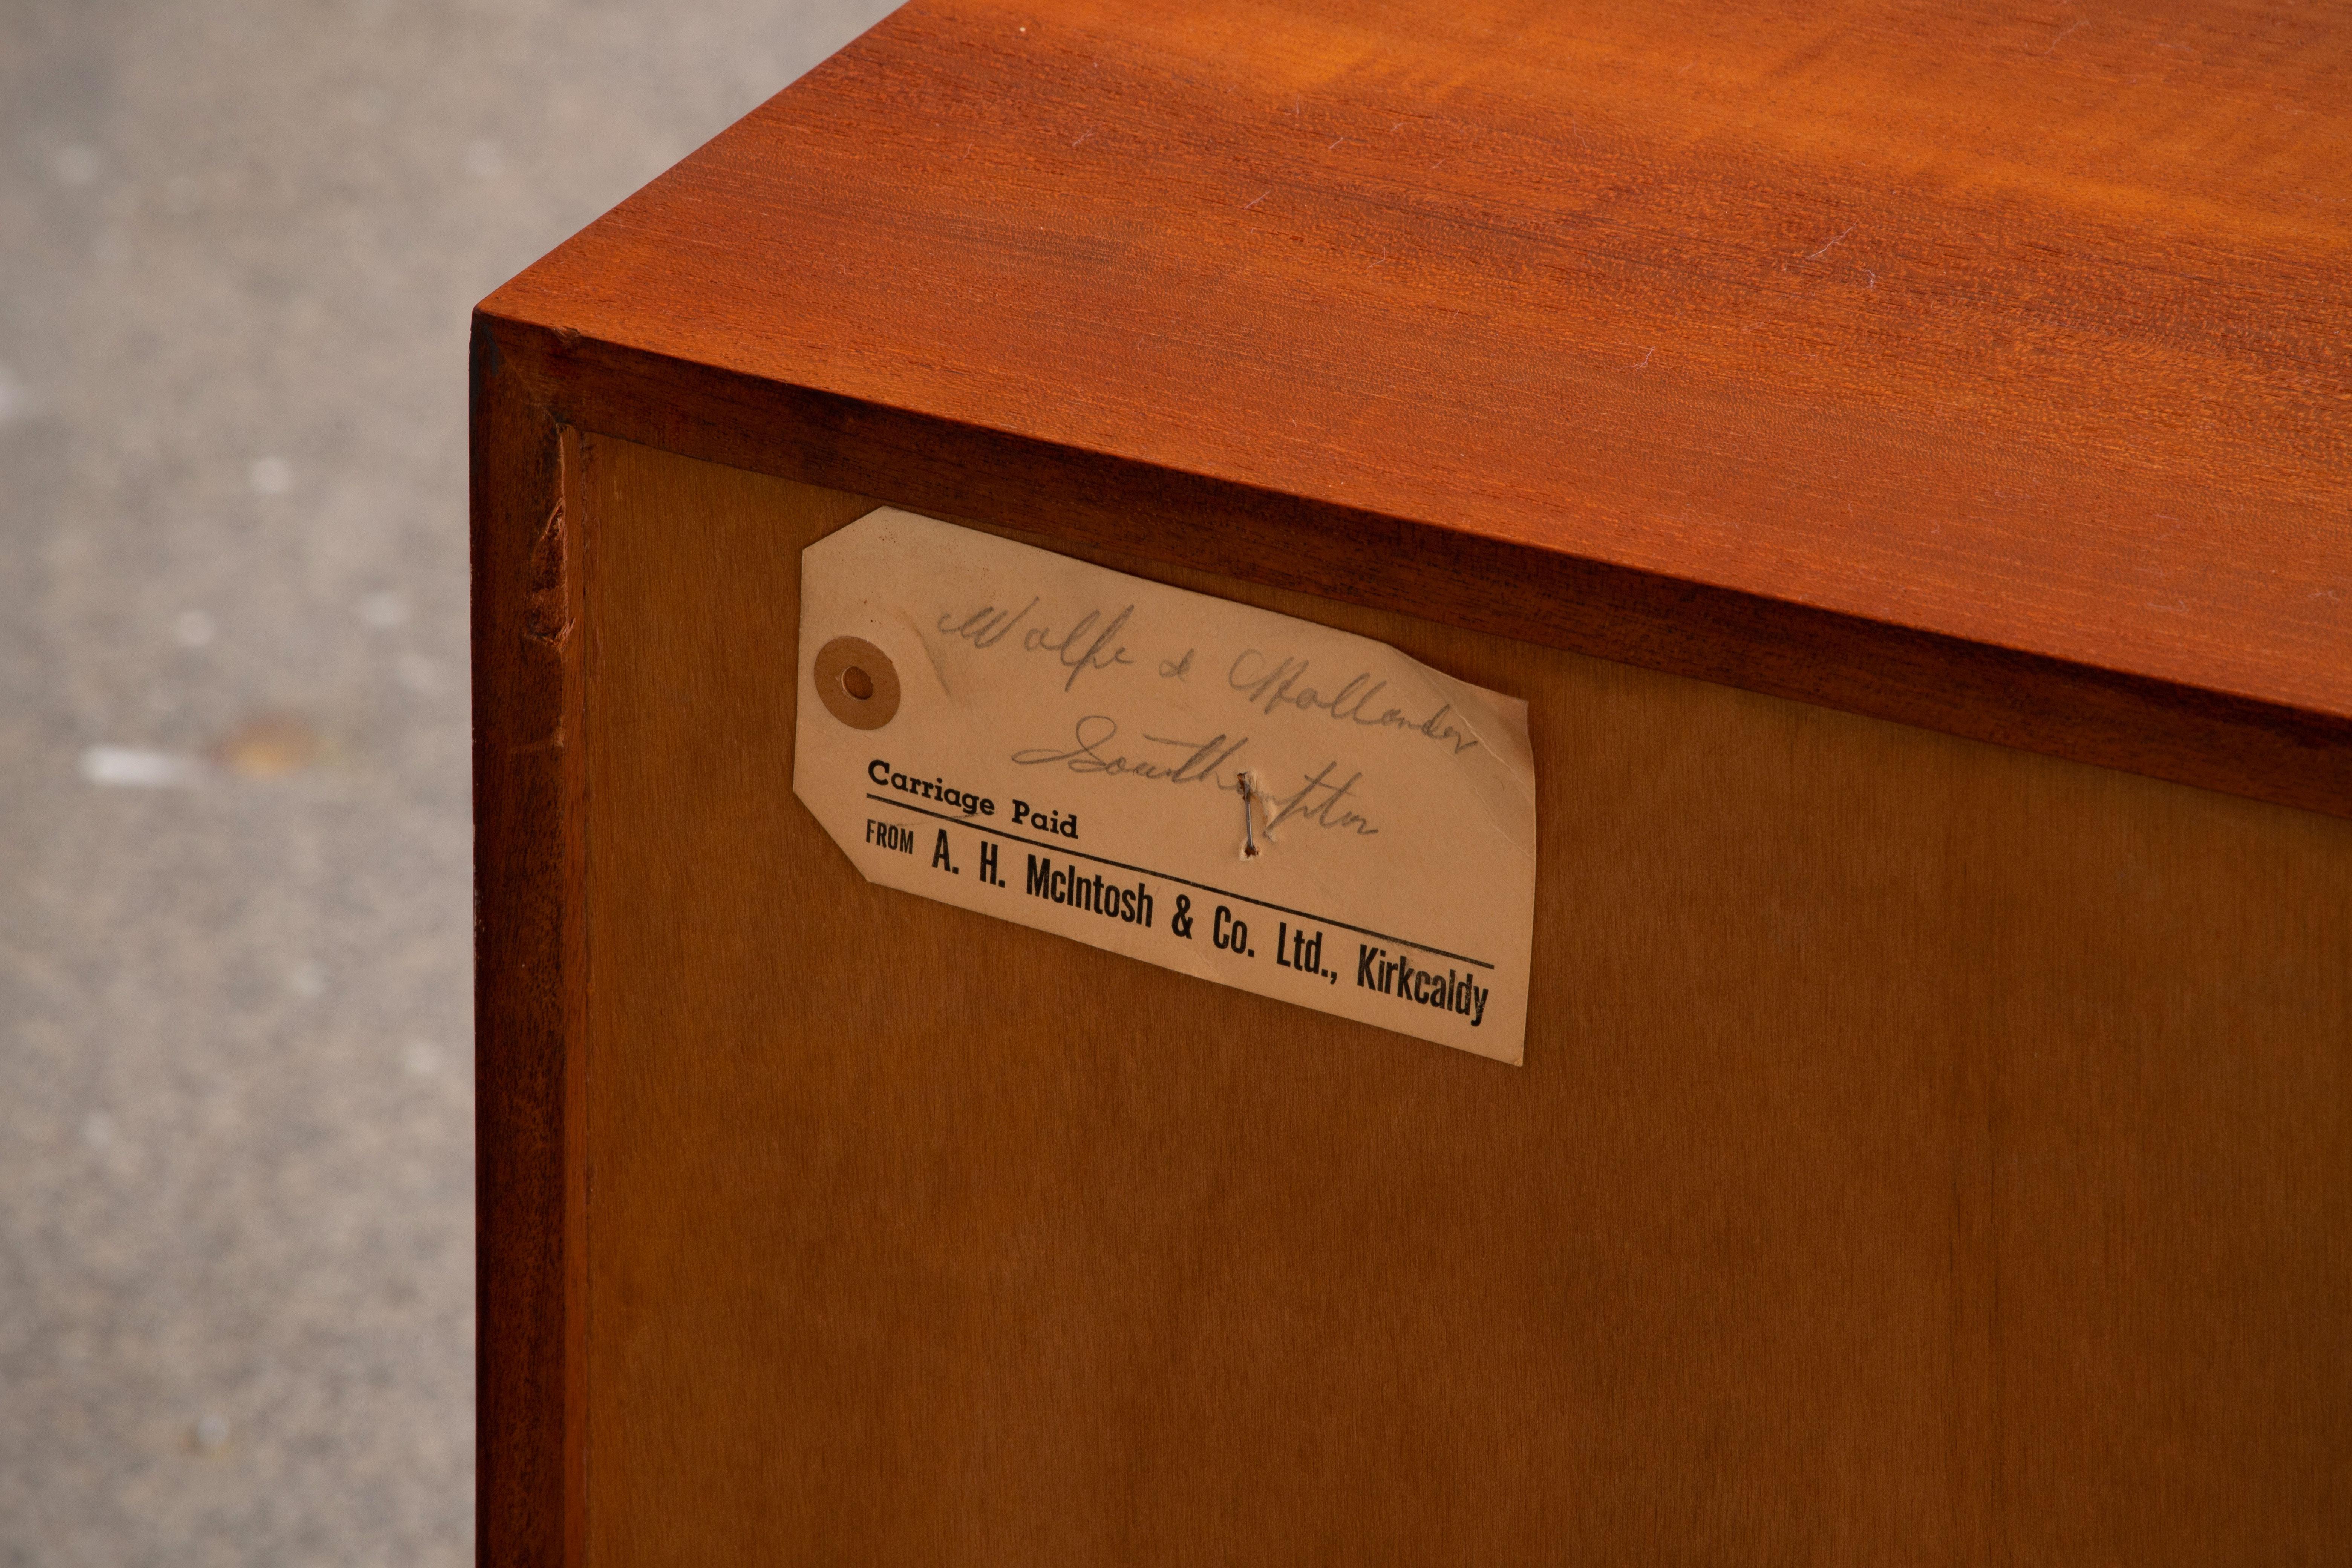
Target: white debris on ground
[(133, 767)]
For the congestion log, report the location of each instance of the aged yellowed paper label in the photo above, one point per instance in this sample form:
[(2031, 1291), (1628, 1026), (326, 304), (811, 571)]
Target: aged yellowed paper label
[(1240, 795)]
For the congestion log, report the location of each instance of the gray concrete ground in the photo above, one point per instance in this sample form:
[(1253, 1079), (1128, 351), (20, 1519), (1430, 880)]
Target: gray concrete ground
[(239, 239)]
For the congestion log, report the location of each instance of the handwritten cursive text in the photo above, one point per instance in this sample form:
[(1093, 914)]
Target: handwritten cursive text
[(1281, 684), (1095, 731), (1080, 648)]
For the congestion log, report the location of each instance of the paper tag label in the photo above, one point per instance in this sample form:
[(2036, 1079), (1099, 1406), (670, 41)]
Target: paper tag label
[(1240, 795)]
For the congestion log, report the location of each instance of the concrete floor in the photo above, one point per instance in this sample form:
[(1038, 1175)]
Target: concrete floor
[(239, 240)]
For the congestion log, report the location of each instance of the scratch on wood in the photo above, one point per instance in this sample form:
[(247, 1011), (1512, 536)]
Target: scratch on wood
[(2064, 33), (546, 612), (554, 639), (1825, 249)]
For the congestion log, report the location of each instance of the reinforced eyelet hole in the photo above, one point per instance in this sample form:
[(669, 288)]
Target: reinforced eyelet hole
[(857, 682)]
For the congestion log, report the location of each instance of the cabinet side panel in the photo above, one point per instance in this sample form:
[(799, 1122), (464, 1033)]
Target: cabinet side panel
[(1903, 1121), (529, 997)]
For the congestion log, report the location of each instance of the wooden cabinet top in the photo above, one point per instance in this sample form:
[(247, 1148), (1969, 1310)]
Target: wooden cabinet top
[(1980, 367)]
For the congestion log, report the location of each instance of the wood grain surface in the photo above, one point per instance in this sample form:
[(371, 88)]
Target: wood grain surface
[(529, 980), (1926, 1152), (1978, 366)]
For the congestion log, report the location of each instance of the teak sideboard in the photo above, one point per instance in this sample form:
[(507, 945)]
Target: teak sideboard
[(1902, 455)]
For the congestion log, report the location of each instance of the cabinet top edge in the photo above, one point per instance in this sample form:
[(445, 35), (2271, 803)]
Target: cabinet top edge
[(2020, 339)]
